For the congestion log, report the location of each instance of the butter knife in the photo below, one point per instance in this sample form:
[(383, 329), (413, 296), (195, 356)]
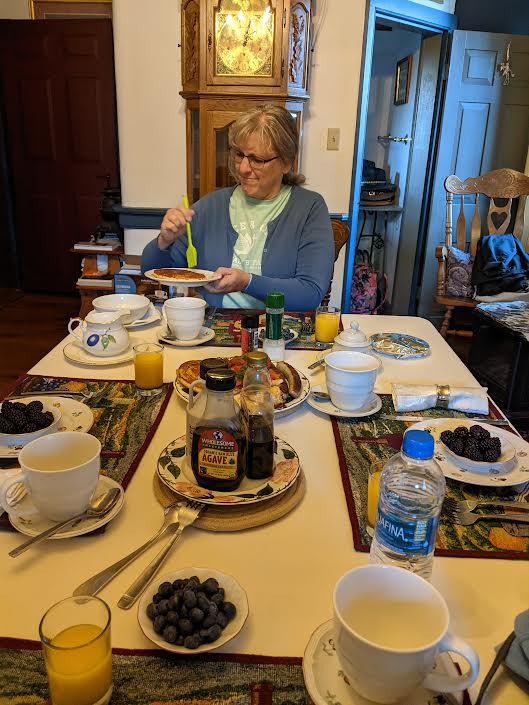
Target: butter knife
[(404, 417)]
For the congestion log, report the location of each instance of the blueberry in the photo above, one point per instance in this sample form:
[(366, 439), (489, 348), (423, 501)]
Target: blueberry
[(170, 634), (156, 598), (217, 598), (174, 602), (192, 642), (163, 607), (222, 620), (179, 641), (213, 609), (159, 624), (211, 586), (196, 615), (177, 584), (185, 626), (209, 621), (190, 599), (202, 602), (92, 340), (171, 617), (229, 610), (165, 589), (183, 611), (152, 610), (214, 632)]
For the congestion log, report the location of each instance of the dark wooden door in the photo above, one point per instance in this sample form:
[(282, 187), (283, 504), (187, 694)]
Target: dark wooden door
[(59, 103)]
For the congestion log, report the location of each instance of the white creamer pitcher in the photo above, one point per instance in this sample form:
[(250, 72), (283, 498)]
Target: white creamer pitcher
[(101, 333)]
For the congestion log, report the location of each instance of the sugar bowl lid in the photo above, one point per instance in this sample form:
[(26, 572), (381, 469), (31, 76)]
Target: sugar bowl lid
[(352, 337)]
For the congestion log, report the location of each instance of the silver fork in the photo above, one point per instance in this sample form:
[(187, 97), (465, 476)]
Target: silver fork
[(466, 518), (186, 516), (86, 396), (454, 505)]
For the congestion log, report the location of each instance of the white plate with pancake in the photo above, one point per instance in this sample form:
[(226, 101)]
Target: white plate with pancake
[(302, 392), (182, 276)]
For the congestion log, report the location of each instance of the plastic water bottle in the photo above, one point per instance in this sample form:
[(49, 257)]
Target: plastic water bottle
[(412, 488)]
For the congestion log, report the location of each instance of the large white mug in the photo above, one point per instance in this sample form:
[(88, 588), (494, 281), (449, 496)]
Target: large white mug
[(390, 624), (350, 378), (60, 471), (184, 316)]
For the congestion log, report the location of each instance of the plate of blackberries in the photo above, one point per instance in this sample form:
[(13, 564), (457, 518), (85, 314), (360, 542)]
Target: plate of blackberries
[(192, 610), (23, 421), (474, 447)]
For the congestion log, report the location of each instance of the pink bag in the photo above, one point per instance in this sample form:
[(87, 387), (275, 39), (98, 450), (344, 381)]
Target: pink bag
[(363, 286)]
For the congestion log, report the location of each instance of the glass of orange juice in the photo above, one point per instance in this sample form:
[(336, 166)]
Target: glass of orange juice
[(326, 324), (373, 484), (75, 637), (148, 368)]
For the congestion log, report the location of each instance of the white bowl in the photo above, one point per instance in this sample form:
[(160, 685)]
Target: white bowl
[(23, 438), (132, 306), (234, 593), (504, 463)]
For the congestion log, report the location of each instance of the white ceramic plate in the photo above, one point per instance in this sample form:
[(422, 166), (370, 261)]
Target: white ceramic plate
[(326, 682), (76, 416), (152, 316), (209, 276), (75, 353), (204, 335), (278, 413), (494, 478), (373, 405), (35, 524), (234, 593), (175, 472)]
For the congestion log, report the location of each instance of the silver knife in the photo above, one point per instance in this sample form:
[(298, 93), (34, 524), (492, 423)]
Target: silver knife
[(404, 417)]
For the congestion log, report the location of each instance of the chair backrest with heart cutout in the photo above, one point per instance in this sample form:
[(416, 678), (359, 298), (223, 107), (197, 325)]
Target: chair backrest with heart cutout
[(507, 190)]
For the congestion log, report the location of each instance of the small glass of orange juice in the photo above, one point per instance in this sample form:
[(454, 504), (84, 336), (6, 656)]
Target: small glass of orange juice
[(148, 368), (75, 637), (373, 484), (326, 324)]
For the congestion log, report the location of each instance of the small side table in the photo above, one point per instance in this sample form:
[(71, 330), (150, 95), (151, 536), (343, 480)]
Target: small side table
[(499, 356)]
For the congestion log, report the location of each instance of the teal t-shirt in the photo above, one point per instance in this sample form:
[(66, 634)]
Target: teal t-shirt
[(250, 218)]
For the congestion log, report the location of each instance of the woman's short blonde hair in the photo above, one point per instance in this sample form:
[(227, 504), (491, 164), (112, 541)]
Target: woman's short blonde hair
[(276, 127)]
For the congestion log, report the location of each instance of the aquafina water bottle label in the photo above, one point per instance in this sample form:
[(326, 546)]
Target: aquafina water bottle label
[(416, 537)]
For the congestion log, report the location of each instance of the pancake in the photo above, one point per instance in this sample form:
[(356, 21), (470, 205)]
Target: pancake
[(170, 273), (188, 372)]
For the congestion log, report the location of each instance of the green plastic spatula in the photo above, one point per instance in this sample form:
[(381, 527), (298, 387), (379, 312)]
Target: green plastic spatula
[(191, 252)]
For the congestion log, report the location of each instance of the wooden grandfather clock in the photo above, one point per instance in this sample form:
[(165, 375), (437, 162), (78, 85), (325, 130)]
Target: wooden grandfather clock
[(237, 54)]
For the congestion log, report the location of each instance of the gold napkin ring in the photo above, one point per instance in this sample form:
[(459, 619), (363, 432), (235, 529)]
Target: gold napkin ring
[(443, 395)]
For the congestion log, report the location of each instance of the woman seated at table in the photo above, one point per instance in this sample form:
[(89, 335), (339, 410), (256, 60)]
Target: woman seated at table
[(266, 233)]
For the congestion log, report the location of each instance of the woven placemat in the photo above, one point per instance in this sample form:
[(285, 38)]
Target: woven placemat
[(248, 516)]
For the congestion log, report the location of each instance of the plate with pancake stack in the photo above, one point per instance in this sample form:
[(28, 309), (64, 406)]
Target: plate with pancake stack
[(290, 387), (182, 276)]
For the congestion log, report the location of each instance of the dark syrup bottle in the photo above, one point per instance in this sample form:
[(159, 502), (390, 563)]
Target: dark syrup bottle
[(218, 446), (258, 413), (260, 449)]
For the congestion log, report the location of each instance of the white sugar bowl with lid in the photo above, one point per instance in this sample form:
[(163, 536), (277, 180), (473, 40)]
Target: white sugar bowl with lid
[(352, 339), (101, 333)]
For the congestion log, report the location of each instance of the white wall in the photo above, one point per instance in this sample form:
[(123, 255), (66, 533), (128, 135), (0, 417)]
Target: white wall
[(14, 9)]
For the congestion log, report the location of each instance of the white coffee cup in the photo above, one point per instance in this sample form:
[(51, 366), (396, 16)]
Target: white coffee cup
[(390, 624), (60, 471), (184, 316), (350, 378)]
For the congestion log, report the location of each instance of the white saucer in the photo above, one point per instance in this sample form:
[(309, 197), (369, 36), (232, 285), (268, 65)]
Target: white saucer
[(204, 335), (209, 276), (152, 316), (34, 525), (373, 405), (76, 416), (326, 682), (75, 353)]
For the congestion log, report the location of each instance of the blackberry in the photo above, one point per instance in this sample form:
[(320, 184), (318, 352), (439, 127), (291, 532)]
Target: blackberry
[(19, 406), (18, 418), (49, 416), (6, 426), (492, 443), (474, 454), (458, 446), (35, 405), (29, 427), (39, 419), (478, 432), (447, 437), (461, 432), (490, 456), (7, 408)]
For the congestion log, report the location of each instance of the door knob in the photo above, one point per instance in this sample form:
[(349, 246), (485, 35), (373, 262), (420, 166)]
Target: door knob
[(392, 138)]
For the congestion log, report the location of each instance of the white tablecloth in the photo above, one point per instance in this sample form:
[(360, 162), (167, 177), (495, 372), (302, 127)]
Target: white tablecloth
[(288, 568)]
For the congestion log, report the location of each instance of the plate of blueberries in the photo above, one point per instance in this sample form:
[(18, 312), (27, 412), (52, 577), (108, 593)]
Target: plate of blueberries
[(192, 610)]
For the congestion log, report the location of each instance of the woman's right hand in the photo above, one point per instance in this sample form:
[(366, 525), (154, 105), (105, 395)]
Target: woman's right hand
[(173, 225)]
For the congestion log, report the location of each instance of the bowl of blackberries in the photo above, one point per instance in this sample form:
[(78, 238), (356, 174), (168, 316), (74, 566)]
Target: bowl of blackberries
[(192, 610), (23, 421), (478, 447)]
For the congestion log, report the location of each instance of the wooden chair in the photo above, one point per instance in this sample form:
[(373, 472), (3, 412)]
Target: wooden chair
[(340, 232), (502, 184)]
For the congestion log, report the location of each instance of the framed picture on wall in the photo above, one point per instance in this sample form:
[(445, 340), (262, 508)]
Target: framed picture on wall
[(402, 81)]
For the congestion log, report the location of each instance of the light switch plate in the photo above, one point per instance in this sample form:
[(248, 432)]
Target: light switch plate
[(333, 138)]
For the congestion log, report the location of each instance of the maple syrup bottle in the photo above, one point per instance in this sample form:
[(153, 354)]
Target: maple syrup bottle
[(218, 449), (258, 415)]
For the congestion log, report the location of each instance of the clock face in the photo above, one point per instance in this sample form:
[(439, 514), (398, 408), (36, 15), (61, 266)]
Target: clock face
[(244, 44)]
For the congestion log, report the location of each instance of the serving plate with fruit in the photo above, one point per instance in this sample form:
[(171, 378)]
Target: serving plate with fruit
[(478, 453), (22, 422), (192, 610)]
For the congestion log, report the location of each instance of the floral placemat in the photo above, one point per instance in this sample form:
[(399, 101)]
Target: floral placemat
[(124, 421), (154, 677), (227, 326), (362, 442)]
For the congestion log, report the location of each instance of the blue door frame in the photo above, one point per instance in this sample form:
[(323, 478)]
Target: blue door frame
[(413, 15)]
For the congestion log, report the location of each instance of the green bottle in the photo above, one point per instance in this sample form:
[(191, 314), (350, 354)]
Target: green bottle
[(274, 343)]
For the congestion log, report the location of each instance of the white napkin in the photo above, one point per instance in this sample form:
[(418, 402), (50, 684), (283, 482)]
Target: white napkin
[(414, 397)]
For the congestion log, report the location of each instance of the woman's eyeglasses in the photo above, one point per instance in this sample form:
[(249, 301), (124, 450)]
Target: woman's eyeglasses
[(254, 162)]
